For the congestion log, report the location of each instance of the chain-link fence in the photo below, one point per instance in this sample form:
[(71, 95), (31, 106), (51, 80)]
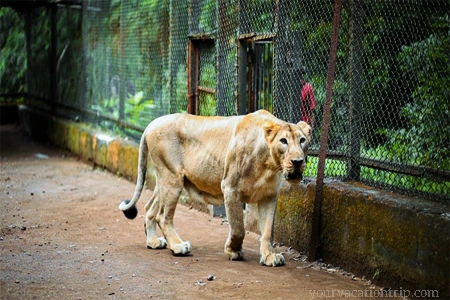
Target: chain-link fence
[(123, 63)]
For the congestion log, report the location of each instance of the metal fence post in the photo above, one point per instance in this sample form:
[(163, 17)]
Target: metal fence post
[(356, 37), (315, 228), (29, 54), (53, 58), (282, 68), (243, 101), (122, 66), (84, 30)]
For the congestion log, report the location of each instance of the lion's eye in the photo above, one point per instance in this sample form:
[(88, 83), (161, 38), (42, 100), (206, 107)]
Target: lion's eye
[(283, 141), (302, 140)]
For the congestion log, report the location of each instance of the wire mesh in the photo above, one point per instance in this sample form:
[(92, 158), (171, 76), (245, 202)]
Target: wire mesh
[(227, 21), (69, 56), (127, 62), (207, 80), (40, 62), (13, 53)]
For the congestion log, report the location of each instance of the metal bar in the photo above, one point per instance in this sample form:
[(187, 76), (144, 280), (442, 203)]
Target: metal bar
[(206, 89), (251, 79), (356, 37), (90, 112), (246, 36), (269, 68), (264, 37), (315, 228), (205, 36), (61, 56), (427, 172), (122, 64), (191, 78), (254, 37), (28, 48), (259, 75), (53, 59), (197, 81), (404, 169), (80, 6), (14, 95), (84, 32), (242, 99)]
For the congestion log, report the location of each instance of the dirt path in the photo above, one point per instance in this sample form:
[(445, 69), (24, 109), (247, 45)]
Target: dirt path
[(62, 237)]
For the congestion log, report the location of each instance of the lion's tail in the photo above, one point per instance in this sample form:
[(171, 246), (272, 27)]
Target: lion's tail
[(129, 206)]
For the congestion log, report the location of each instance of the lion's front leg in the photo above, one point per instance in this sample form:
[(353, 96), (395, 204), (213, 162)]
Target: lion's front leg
[(235, 215), (266, 210)]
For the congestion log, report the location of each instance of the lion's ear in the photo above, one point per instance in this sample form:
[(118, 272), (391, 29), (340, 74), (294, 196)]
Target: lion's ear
[(305, 128), (270, 130)]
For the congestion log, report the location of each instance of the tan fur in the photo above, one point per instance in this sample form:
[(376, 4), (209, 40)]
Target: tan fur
[(222, 161)]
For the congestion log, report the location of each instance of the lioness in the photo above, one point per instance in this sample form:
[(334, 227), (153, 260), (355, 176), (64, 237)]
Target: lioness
[(220, 160)]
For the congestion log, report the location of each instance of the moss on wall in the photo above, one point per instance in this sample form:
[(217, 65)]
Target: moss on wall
[(405, 241), (294, 214), (128, 159)]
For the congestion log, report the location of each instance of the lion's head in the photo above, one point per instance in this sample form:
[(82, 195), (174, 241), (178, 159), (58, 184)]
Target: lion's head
[(288, 144)]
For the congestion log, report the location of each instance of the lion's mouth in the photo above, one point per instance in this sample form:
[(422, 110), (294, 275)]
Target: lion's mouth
[(294, 175), (294, 172)]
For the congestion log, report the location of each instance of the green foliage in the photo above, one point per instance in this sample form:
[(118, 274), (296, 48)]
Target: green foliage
[(405, 116), (138, 110), (424, 141), (404, 181), (427, 113), (207, 22), (207, 106), (181, 91), (207, 101), (107, 107), (333, 167), (12, 52), (40, 49)]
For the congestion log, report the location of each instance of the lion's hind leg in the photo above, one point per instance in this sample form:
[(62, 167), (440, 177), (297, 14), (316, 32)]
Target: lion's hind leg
[(165, 220), (151, 210)]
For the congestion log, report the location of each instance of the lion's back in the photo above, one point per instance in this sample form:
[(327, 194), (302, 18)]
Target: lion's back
[(196, 147), (193, 145)]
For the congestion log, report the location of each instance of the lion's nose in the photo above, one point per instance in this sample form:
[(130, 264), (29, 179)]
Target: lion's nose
[(297, 162)]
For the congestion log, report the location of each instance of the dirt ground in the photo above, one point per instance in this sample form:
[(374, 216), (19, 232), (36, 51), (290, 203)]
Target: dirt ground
[(62, 237)]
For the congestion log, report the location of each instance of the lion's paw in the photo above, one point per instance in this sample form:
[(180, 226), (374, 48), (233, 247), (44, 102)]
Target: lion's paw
[(234, 255), (182, 248), (157, 243), (273, 260)]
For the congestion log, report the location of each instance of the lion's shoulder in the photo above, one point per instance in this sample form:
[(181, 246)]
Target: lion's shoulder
[(260, 121)]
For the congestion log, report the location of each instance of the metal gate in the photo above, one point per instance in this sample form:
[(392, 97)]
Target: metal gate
[(261, 75)]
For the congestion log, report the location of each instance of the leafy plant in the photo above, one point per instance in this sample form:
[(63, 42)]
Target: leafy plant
[(135, 108), (12, 51), (108, 107)]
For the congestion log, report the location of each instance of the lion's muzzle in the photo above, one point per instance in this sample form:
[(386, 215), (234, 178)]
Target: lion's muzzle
[(296, 169)]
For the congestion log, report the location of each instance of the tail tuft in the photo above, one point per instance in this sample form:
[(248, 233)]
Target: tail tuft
[(130, 213)]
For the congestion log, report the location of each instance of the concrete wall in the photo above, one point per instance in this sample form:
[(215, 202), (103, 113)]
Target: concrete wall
[(404, 241)]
